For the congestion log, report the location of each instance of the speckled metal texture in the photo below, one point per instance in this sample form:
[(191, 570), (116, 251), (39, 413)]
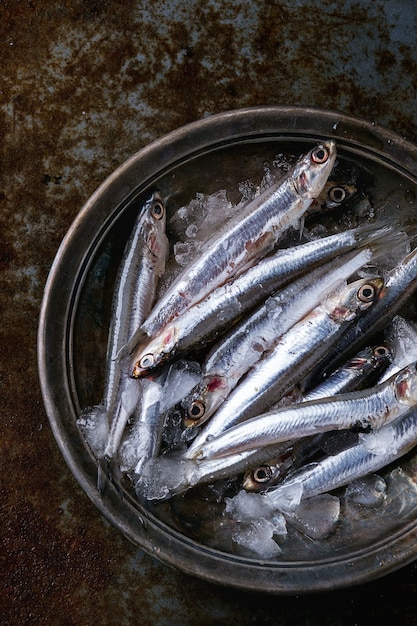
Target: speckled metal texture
[(85, 84)]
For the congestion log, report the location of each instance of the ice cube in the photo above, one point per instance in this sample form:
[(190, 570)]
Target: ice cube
[(258, 538), (401, 494), (182, 376), (94, 425), (185, 251), (316, 517), (287, 496), (379, 442), (159, 478), (368, 491), (248, 506), (191, 230)]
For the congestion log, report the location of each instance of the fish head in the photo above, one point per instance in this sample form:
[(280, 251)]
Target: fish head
[(154, 235), (405, 384), (259, 478), (154, 353), (333, 195), (204, 399), (370, 357), (262, 477), (312, 171), (355, 298)]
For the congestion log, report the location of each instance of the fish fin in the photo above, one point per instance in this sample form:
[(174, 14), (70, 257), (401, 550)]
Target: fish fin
[(388, 236), (108, 471)]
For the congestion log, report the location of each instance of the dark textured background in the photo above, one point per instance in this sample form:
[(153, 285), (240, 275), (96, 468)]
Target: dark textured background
[(84, 85)]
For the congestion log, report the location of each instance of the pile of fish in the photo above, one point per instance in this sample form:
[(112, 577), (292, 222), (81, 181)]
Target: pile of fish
[(259, 352)]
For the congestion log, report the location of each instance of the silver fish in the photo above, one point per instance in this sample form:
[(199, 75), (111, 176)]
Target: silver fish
[(244, 345), (373, 452), (270, 472), (400, 284), (142, 263), (360, 410), (363, 370), (168, 475), (144, 438), (222, 307), (250, 236), (297, 352)]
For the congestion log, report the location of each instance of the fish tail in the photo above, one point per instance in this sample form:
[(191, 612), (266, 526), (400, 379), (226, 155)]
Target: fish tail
[(382, 240)]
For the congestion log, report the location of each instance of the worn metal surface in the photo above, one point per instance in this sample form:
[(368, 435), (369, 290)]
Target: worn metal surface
[(84, 85)]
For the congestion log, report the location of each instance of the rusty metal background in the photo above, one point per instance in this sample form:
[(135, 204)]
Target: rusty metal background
[(84, 85)]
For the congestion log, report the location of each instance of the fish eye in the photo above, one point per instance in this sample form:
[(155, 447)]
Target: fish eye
[(319, 155), (366, 293), (157, 210), (337, 194), (196, 410), (262, 474), (381, 351), (146, 361)]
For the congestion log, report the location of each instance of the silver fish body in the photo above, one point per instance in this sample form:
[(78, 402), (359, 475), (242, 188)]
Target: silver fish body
[(365, 410), (143, 441), (252, 234), (296, 353), (361, 372), (142, 264), (373, 452), (168, 475), (271, 471)]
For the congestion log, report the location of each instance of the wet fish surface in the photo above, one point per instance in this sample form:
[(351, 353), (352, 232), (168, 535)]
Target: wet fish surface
[(142, 264), (373, 452), (241, 348), (251, 235), (295, 354), (361, 410), (400, 284)]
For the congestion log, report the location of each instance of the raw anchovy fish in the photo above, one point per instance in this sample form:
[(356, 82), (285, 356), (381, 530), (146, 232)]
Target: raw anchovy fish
[(363, 370), (400, 284), (270, 472), (239, 350), (250, 236), (295, 354), (143, 442), (374, 451), (360, 410), (222, 307), (142, 263), (168, 475)]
